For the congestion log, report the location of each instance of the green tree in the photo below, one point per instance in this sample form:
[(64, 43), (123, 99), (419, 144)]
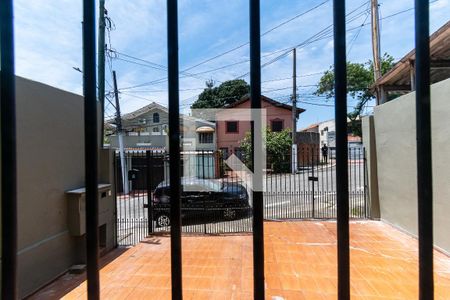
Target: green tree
[(360, 77), (226, 93), (278, 145)]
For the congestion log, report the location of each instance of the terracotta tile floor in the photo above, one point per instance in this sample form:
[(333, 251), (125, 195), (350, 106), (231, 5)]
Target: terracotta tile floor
[(300, 264)]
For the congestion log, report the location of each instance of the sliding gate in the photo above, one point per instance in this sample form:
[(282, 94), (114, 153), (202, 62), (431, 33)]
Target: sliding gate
[(308, 193)]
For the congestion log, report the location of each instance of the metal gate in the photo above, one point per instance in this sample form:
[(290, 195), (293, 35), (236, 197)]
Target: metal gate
[(308, 193), (145, 171)]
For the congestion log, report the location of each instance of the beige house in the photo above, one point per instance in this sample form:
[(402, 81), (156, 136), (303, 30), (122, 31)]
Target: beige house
[(148, 126)]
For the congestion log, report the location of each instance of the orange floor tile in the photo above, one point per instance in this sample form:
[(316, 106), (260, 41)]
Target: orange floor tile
[(300, 264)]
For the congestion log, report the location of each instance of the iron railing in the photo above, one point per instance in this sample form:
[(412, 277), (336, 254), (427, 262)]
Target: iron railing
[(424, 160), (8, 144), (8, 153), (340, 92), (91, 146), (309, 193)]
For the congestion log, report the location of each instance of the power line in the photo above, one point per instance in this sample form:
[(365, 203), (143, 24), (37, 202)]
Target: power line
[(152, 65), (323, 34), (221, 54), (286, 51), (352, 42), (263, 34), (285, 88), (315, 37)]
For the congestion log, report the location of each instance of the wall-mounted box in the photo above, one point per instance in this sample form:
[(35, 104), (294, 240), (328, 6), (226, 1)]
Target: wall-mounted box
[(77, 208)]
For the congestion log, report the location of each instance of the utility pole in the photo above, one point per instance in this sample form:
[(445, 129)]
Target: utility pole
[(101, 67), (120, 137), (376, 49), (294, 110)]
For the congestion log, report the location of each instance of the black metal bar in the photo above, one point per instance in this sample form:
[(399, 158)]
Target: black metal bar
[(424, 159), (174, 148), (91, 148), (9, 154), (149, 191), (258, 205), (116, 211), (340, 81), (312, 185)]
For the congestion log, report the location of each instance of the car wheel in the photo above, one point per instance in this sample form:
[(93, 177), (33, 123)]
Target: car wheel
[(229, 214), (163, 220)]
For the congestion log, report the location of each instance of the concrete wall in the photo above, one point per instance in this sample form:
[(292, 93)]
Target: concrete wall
[(396, 155), (369, 143), (50, 149)]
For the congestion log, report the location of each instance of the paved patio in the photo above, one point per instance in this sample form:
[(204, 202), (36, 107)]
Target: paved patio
[(300, 264)]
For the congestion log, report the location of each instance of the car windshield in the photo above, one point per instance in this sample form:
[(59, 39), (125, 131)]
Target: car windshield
[(233, 188), (201, 185)]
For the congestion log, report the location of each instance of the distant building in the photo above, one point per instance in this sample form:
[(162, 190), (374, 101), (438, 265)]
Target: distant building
[(147, 128), (327, 135), (231, 132), (307, 147)]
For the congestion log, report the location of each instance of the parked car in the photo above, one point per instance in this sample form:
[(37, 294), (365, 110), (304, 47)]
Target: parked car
[(202, 198)]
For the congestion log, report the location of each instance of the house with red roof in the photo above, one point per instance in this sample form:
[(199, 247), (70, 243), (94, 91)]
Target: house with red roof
[(230, 131)]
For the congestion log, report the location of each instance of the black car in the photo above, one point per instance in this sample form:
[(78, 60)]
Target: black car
[(202, 198)]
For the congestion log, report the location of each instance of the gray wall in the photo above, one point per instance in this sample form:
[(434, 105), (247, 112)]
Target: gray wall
[(396, 155), (369, 143), (50, 149)]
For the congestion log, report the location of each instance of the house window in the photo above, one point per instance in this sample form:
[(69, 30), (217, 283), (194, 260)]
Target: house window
[(232, 127), (155, 118), (277, 125), (155, 131), (224, 152), (205, 137)]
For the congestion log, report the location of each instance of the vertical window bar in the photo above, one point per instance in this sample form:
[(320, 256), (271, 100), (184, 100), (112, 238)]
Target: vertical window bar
[(340, 85), (8, 155), (91, 148), (258, 206), (174, 149), (424, 160)]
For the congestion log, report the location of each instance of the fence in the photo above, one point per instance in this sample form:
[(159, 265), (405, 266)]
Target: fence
[(216, 199), (9, 154)]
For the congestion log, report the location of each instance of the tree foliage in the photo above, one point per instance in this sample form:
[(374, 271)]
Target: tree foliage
[(360, 77), (226, 93), (278, 145)]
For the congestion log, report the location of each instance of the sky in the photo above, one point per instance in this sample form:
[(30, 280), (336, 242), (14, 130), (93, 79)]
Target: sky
[(48, 45)]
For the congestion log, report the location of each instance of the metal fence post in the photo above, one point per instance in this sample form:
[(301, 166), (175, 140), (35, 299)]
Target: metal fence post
[(258, 205), (91, 148), (149, 184), (8, 152), (174, 149), (340, 77), (424, 159)]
